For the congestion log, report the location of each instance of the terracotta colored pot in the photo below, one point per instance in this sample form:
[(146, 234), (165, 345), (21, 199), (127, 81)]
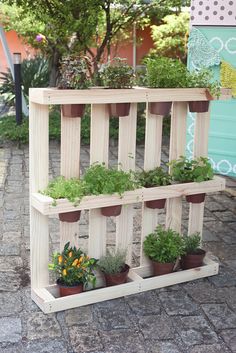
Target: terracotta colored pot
[(198, 198), (193, 260), (69, 290), (73, 110), (162, 268), (118, 278), (70, 217), (156, 204), (111, 211), (119, 109), (160, 108), (199, 106)]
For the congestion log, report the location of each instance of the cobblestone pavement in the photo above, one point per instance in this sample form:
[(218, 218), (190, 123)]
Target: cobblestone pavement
[(196, 317)]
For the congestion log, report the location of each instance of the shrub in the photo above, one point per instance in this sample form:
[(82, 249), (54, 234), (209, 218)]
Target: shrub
[(117, 74), (74, 72), (113, 262), (191, 243), (154, 177)]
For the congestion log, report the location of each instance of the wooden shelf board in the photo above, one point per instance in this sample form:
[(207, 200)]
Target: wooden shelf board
[(44, 204)]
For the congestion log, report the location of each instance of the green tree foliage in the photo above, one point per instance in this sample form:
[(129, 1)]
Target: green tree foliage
[(170, 38)]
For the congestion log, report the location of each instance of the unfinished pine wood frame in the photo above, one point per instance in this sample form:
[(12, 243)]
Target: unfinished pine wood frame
[(45, 295)]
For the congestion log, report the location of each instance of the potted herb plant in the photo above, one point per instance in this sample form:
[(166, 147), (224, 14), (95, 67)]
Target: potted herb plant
[(193, 254), (74, 270), (73, 74), (163, 247), (163, 72), (202, 79), (151, 178), (118, 74), (101, 180), (114, 268), (71, 189), (195, 170)]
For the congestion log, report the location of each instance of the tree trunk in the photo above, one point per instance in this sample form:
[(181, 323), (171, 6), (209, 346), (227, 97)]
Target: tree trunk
[(53, 68)]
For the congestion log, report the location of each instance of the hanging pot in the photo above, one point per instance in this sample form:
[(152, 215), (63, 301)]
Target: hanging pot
[(117, 278), (156, 204), (70, 217), (69, 290), (160, 108), (73, 110), (111, 211), (119, 109), (198, 198), (193, 260), (199, 106), (162, 268)]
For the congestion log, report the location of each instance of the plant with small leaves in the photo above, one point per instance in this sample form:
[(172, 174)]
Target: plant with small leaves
[(74, 72), (72, 266), (189, 170), (204, 79), (191, 243), (113, 262), (155, 177), (163, 245), (117, 74)]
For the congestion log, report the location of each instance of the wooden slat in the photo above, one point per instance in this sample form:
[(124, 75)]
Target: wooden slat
[(38, 162), (99, 145), (126, 157), (177, 148)]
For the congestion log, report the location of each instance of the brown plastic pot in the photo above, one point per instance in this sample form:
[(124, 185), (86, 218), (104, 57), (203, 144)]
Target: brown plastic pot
[(70, 217), (160, 108), (119, 109), (156, 204), (198, 198), (162, 268), (117, 278), (199, 106), (73, 110), (193, 260), (69, 290), (111, 211)]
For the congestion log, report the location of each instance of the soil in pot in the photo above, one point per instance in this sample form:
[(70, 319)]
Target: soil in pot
[(199, 106), (156, 204), (119, 109), (198, 198), (193, 260), (73, 110), (69, 290), (162, 268), (160, 108), (117, 278), (70, 217), (111, 211)]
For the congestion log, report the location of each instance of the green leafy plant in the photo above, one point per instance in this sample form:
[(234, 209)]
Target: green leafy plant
[(185, 170), (203, 79), (154, 177), (74, 72), (73, 266), (101, 180), (117, 74), (113, 262), (191, 243), (163, 245)]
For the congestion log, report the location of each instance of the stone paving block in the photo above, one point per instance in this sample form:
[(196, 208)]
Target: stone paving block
[(28, 303), (225, 216), (119, 341), (156, 327), (10, 330), (10, 263), (79, 316), (145, 303), (10, 303), (41, 326), (214, 348), (229, 336), (178, 303), (9, 249), (225, 278), (13, 348), (53, 346), (220, 315), (209, 236), (112, 319), (10, 281), (203, 292), (163, 347), (84, 341)]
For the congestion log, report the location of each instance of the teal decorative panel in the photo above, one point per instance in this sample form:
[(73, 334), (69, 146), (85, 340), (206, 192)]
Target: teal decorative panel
[(222, 135)]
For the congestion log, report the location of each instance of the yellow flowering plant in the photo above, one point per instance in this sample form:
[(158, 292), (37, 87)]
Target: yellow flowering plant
[(73, 266)]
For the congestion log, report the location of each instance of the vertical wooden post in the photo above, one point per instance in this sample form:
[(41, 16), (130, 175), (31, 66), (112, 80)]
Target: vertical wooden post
[(99, 149), (38, 167), (200, 148), (126, 157), (152, 159), (177, 148), (70, 167)]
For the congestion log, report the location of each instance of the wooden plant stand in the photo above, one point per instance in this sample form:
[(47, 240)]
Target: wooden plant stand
[(46, 296)]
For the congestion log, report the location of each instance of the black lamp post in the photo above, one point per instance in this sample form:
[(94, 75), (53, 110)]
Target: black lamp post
[(17, 75)]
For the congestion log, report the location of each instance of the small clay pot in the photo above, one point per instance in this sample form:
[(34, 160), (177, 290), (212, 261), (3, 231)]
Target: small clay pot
[(70, 217), (117, 278), (119, 109), (199, 106), (69, 290), (198, 198), (160, 108), (156, 204), (73, 110), (193, 260), (162, 268), (111, 211)]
